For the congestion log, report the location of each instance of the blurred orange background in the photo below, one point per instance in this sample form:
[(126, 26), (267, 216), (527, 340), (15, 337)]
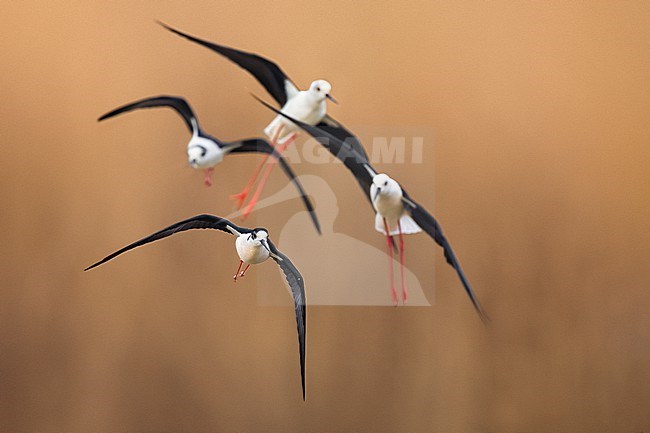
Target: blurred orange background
[(540, 165)]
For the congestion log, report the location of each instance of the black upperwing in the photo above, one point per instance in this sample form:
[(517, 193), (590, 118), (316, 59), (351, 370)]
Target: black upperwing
[(259, 145), (297, 285), (335, 128), (196, 222), (345, 151), (179, 104), (274, 80), (269, 74), (428, 223)]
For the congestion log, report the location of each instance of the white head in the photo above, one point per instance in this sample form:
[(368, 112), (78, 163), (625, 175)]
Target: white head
[(322, 89), (195, 155), (203, 153), (260, 233), (259, 236), (382, 184)]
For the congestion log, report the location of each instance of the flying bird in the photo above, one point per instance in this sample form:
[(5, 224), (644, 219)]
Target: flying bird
[(308, 106), (205, 151), (253, 247), (396, 212)]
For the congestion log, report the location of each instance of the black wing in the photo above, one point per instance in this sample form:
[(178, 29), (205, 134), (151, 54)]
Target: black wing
[(343, 150), (297, 286), (335, 128), (179, 104), (274, 80), (196, 222), (429, 224), (259, 145)]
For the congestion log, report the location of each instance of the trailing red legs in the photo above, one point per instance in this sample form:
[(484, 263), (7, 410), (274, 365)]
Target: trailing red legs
[(389, 245), (241, 197), (207, 180), (239, 274), (234, 277), (401, 263), (243, 273), (281, 148)]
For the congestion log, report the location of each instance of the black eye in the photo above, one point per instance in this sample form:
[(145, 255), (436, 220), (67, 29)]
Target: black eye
[(318, 89), (385, 183), (204, 150)]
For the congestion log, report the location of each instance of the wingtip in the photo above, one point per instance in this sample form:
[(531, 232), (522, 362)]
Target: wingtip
[(94, 265), (485, 319), (266, 104), (259, 99), (171, 29), (314, 219), (157, 21)]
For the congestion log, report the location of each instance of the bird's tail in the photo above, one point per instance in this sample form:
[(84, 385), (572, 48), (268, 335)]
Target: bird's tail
[(269, 131), (406, 222)]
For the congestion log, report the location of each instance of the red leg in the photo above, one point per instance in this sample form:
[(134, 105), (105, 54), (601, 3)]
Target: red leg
[(393, 290), (207, 180), (243, 273), (234, 277), (265, 176), (241, 197), (401, 263)]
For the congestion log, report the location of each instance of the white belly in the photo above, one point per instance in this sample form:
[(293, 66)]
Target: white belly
[(301, 107), (389, 206), (307, 113), (391, 212), (250, 253)]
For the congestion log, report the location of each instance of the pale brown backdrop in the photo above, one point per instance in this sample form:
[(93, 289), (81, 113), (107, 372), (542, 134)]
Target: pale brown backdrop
[(540, 112)]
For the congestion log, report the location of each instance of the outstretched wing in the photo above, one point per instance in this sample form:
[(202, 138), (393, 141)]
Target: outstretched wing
[(297, 286), (429, 224), (343, 150), (179, 104), (269, 74), (335, 128), (196, 222), (258, 145)]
